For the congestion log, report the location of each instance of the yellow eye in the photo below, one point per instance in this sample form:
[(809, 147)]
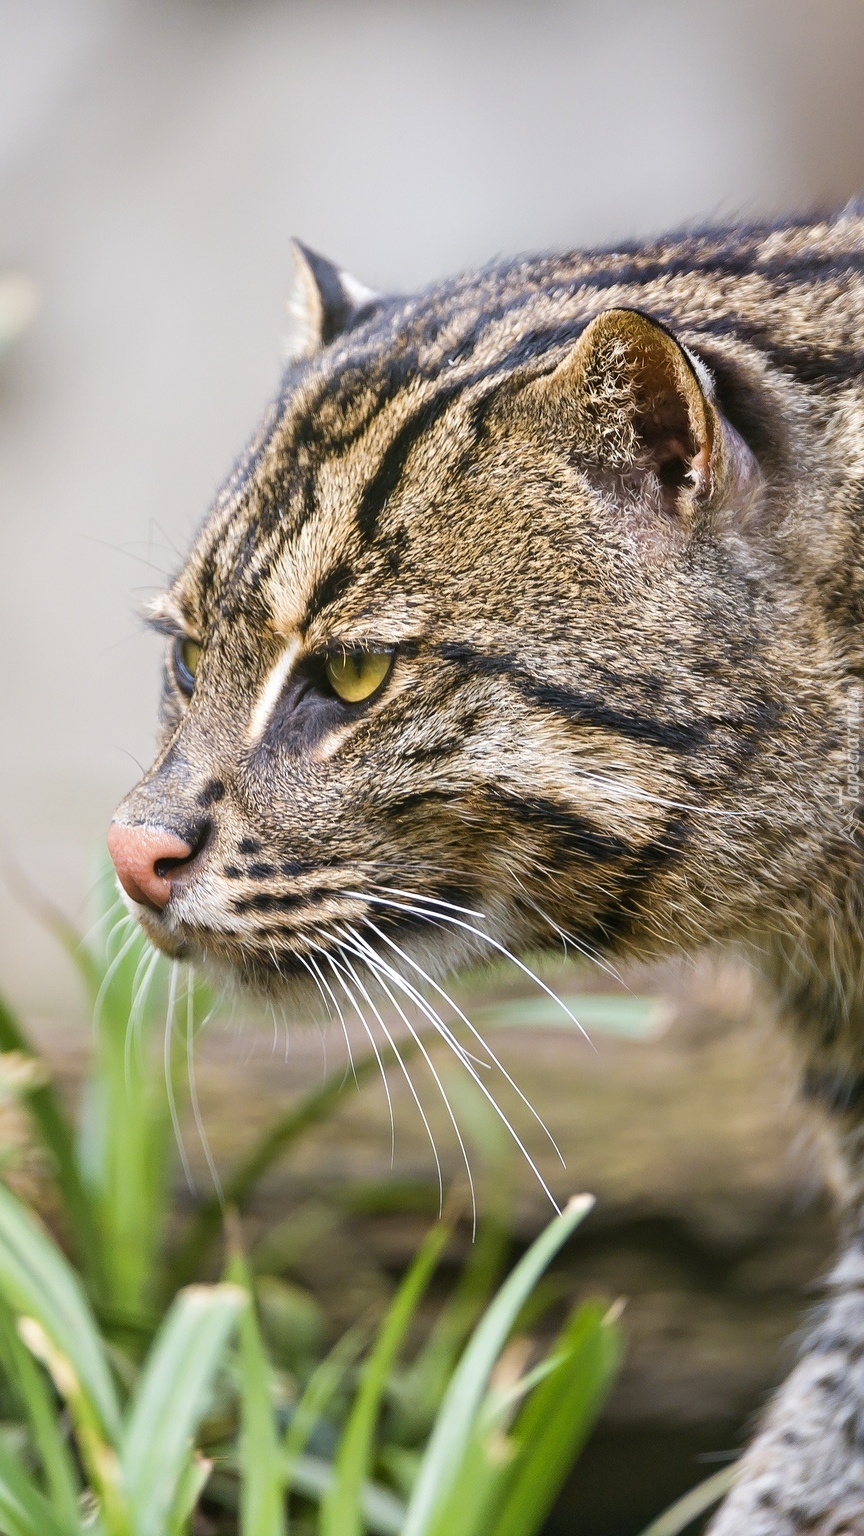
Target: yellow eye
[(356, 675), (187, 654)]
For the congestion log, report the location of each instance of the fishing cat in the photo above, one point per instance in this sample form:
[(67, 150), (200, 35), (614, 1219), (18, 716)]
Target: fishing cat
[(537, 602)]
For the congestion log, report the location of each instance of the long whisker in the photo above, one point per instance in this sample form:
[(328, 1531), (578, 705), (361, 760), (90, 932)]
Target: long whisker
[(335, 1001), (123, 920), (585, 950), (109, 975), (169, 1076), (193, 1081), (444, 916), (275, 1025), (447, 1035), (321, 1036), (106, 917), (623, 790), (136, 1012), (413, 1091), (496, 1062), (376, 969), (336, 968)]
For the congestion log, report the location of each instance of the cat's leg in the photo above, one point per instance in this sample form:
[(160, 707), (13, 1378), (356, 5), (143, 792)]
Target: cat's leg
[(803, 1474)]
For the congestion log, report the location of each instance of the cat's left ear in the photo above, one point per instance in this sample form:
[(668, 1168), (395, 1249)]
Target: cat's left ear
[(638, 410), (325, 301)]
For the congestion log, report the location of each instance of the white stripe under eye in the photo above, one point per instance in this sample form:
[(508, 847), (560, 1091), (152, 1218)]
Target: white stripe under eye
[(269, 695)]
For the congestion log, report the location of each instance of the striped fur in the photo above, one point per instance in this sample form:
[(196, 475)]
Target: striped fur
[(619, 561)]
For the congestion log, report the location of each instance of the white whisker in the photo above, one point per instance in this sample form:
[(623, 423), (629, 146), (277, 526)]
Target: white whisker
[(339, 1014), (376, 965), (136, 1012), (448, 1036), (444, 916), (335, 967), (496, 1062), (169, 1077), (193, 1082), (107, 917), (585, 950), (413, 1091), (109, 976), (321, 1036)]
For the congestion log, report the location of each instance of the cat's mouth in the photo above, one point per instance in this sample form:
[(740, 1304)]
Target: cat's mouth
[(403, 939)]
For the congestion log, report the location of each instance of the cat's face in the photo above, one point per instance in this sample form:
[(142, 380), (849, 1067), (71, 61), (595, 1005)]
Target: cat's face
[(462, 652)]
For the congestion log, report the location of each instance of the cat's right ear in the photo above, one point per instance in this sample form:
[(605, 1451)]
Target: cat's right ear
[(325, 301)]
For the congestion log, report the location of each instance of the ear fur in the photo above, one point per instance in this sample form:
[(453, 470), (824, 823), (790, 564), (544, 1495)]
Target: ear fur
[(324, 300), (635, 404)]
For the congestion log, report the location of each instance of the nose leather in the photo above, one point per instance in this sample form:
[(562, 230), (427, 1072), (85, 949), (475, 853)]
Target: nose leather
[(147, 859)]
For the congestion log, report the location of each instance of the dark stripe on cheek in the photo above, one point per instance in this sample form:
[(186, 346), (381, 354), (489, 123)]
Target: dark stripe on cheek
[(211, 793), (406, 804), (622, 915), (276, 901), (573, 704), (572, 833), (675, 735)]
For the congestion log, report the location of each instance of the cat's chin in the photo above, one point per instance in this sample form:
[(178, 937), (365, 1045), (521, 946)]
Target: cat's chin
[(222, 961), (175, 945)]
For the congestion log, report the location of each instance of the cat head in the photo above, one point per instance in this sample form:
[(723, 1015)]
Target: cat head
[(473, 649)]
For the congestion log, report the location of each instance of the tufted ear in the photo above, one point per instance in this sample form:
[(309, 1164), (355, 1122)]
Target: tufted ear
[(324, 300), (638, 408)]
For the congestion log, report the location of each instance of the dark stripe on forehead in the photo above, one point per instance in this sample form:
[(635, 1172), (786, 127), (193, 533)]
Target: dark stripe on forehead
[(809, 365), (572, 704), (389, 472), (327, 404), (325, 591)]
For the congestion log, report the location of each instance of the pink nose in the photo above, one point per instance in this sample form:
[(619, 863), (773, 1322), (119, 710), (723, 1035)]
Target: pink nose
[(146, 860)]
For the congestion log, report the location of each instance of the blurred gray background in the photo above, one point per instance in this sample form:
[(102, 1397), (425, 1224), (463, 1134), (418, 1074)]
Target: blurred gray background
[(155, 158)]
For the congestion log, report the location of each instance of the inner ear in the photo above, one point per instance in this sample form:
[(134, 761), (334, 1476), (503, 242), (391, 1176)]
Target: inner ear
[(672, 436), (633, 408)]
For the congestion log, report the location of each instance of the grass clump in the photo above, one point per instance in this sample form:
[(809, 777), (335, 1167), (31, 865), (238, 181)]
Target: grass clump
[(138, 1401)]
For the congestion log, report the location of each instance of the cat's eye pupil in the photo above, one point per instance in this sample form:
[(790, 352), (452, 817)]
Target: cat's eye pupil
[(355, 675), (187, 654)]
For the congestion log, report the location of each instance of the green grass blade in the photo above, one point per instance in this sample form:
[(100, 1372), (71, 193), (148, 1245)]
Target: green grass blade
[(312, 1109), (125, 1139), (420, 1390), (556, 1421), (262, 1490), (98, 1457), (193, 1481), (452, 1433), (55, 1132), (622, 1015), (24, 1511), (695, 1503), (322, 1388), (40, 1407), (172, 1397), (36, 1281), (382, 1513), (341, 1513)]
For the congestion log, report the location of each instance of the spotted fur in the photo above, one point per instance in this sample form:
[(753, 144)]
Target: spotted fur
[(606, 509)]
